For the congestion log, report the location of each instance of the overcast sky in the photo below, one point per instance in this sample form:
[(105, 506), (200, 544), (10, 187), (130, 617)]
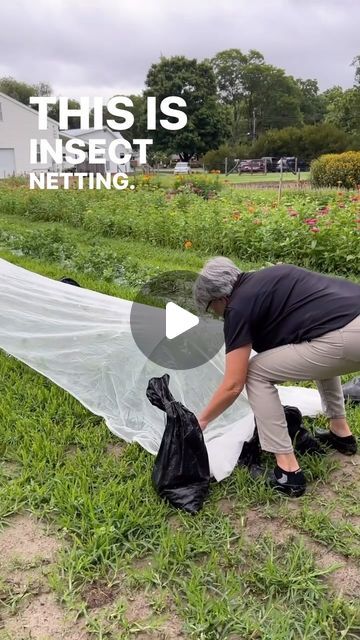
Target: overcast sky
[(105, 47)]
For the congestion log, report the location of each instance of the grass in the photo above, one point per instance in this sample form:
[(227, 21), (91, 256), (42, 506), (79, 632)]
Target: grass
[(247, 178), (167, 179), (247, 567), (221, 580)]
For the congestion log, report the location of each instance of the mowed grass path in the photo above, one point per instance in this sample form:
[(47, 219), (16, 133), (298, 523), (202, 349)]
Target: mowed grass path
[(251, 565), (167, 178)]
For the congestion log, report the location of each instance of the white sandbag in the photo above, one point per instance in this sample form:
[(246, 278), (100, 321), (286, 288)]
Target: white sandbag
[(82, 341)]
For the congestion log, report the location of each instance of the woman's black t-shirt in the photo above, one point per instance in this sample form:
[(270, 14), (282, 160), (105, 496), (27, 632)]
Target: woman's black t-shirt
[(285, 304)]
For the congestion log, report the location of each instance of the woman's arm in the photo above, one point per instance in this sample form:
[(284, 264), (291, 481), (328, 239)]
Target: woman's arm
[(236, 366)]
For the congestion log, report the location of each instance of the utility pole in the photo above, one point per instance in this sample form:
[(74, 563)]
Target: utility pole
[(254, 125)]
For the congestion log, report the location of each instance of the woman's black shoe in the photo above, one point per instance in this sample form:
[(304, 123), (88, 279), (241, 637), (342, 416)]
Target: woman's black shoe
[(291, 483), (346, 445)]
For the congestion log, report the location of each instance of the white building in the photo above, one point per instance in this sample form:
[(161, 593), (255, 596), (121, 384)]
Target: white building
[(18, 124), (102, 134)]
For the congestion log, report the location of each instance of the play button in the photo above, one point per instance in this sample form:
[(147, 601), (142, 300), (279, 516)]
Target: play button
[(178, 320), (167, 327)]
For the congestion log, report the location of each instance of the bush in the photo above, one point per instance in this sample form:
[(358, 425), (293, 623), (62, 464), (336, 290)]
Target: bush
[(204, 186), (307, 142), (215, 159), (337, 169)]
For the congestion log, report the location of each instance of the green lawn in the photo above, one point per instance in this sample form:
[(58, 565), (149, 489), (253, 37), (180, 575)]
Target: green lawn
[(167, 178), (251, 566), (260, 177)]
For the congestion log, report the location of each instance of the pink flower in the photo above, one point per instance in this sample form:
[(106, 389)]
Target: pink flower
[(310, 221), (294, 214), (315, 229)]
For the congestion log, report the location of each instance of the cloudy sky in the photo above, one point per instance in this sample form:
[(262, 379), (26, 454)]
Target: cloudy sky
[(105, 47)]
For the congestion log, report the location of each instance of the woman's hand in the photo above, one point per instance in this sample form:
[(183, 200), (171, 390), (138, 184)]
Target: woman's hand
[(236, 366)]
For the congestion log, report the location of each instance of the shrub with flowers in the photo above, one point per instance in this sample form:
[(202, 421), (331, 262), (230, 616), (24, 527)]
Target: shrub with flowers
[(204, 186), (337, 169)]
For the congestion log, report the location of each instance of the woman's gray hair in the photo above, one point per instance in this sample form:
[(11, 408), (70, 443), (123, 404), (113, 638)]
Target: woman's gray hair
[(216, 280)]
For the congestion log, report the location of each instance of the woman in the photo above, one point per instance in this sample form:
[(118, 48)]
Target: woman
[(303, 326)]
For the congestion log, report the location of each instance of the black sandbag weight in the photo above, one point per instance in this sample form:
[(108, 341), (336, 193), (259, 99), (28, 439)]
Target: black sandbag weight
[(181, 471)]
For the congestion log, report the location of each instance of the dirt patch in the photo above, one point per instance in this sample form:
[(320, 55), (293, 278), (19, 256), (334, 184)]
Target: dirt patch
[(226, 506), (26, 553), (173, 629), (140, 564), (115, 450), (256, 525), (24, 540), (42, 619), (343, 580), (10, 469), (137, 608), (349, 471), (99, 595)]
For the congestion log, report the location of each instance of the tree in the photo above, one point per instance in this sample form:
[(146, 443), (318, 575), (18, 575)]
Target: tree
[(356, 63), (312, 103), (260, 95), (73, 121), (195, 82), (306, 142), (138, 130), (22, 91), (343, 108)]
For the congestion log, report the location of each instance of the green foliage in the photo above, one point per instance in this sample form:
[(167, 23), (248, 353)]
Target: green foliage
[(203, 186), (343, 108), (305, 142), (216, 159), (317, 230), (22, 91), (246, 83), (337, 170), (312, 104), (195, 82)]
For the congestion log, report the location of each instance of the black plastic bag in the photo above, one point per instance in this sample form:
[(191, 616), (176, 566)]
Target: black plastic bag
[(351, 390), (70, 281), (301, 438), (181, 472)]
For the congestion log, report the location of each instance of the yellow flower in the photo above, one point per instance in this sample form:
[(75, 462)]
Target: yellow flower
[(188, 244)]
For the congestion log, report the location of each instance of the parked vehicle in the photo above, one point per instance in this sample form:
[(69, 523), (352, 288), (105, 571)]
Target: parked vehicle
[(252, 166), (182, 167), (270, 163)]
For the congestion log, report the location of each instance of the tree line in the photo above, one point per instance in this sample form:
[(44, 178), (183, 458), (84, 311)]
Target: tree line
[(237, 105)]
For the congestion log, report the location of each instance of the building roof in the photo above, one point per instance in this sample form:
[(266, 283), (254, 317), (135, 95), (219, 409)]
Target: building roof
[(74, 133), (24, 106)]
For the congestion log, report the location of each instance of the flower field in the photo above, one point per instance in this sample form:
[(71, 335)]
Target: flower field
[(319, 230), (252, 565)]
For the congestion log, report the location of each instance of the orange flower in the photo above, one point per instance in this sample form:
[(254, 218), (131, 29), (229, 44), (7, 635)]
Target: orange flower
[(188, 244)]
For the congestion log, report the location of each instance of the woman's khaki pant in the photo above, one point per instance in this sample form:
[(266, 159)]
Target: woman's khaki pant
[(323, 360)]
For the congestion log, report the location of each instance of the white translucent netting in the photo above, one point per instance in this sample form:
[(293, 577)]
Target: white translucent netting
[(82, 341)]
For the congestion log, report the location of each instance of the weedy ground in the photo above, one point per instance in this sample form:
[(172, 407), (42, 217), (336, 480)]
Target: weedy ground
[(87, 550)]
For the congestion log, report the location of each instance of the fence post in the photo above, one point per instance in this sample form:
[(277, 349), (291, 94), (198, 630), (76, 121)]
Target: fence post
[(281, 181), (226, 166)]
